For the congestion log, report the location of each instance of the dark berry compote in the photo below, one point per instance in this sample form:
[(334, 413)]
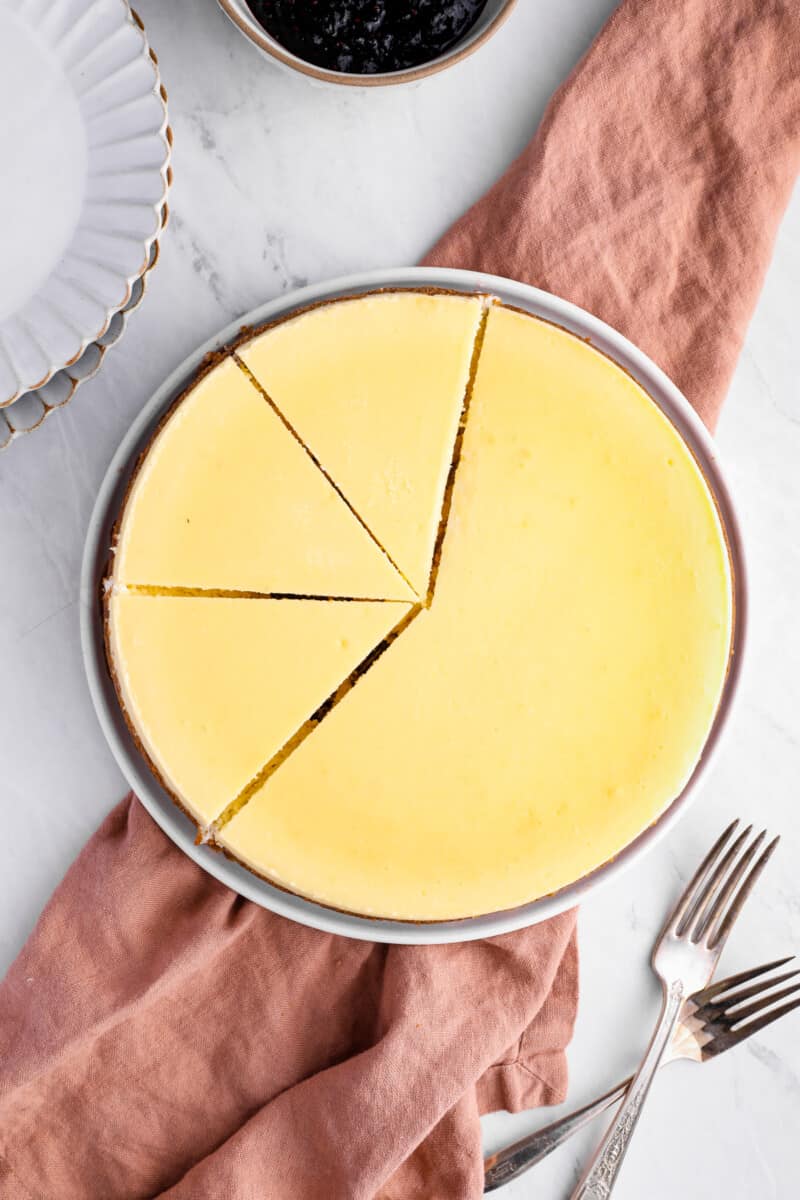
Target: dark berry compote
[(364, 37)]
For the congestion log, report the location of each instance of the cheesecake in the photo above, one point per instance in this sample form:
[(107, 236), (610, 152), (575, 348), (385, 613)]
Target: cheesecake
[(450, 621)]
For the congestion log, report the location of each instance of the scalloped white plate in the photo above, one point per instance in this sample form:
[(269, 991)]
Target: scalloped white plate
[(84, 149), (30, 409)]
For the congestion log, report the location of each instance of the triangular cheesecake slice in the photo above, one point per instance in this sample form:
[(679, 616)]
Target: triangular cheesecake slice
[(212, 688), (228, 499), (374, 386)]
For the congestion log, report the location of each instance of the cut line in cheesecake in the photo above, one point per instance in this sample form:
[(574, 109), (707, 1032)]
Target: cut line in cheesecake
[(447, 499), (291, 429), (147, 589), (206, 833)]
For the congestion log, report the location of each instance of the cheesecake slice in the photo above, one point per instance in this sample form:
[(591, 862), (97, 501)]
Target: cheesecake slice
[(226, 498), (213, 687), (557, 694), (374, 386)]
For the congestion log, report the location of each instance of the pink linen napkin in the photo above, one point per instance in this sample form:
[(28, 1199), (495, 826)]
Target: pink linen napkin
[(162, 1037)]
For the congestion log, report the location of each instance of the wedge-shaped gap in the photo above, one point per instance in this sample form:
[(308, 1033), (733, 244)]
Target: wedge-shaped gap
[(148, 589), (308, 726), (458, 444), (291, 429)]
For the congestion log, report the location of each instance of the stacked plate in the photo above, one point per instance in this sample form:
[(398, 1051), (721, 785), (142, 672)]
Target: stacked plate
[(86, 148)]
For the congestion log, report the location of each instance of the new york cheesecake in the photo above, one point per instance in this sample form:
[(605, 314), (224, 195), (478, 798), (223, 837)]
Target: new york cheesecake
[(532, 621)]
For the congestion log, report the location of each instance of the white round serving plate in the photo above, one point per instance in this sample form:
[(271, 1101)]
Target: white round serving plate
[(95, 563), (487, 24), (85, 156)]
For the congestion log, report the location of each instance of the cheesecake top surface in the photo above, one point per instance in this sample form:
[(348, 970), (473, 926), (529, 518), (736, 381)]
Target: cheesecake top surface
[(548, 691)]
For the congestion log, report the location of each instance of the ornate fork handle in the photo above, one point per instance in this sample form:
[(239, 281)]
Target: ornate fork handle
[(513, 1160), (600, 1177)]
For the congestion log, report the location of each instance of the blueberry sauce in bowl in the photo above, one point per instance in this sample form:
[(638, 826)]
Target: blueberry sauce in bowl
[(367, 37)]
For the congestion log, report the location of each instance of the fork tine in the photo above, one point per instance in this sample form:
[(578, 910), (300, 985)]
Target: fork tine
[(757, 1006), (724, 985), (730, 1001), (692, 888), (718, 933), (717, 904), (696, 914), (732, 1037)]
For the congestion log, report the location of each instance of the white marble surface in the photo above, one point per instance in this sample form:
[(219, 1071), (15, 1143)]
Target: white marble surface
[(277, 183)]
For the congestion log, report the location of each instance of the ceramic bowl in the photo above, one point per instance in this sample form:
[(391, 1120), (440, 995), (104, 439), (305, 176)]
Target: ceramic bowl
[(85, 155), (490, 20), (95, 562)]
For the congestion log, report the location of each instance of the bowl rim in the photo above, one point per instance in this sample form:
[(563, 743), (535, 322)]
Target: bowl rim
[(94, 569), (255, 33)]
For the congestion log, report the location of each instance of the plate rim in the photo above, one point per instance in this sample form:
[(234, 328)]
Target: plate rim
[(128, 17), (95, 556)]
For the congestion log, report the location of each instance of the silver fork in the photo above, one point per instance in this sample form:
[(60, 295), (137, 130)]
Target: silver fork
[(711, 1022), (684, 957)]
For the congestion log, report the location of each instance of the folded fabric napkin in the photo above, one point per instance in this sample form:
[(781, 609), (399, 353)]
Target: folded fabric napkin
[(161, 1036)]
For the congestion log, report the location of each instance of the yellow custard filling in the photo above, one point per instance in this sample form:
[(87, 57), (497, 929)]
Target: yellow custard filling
[(543, 706)]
